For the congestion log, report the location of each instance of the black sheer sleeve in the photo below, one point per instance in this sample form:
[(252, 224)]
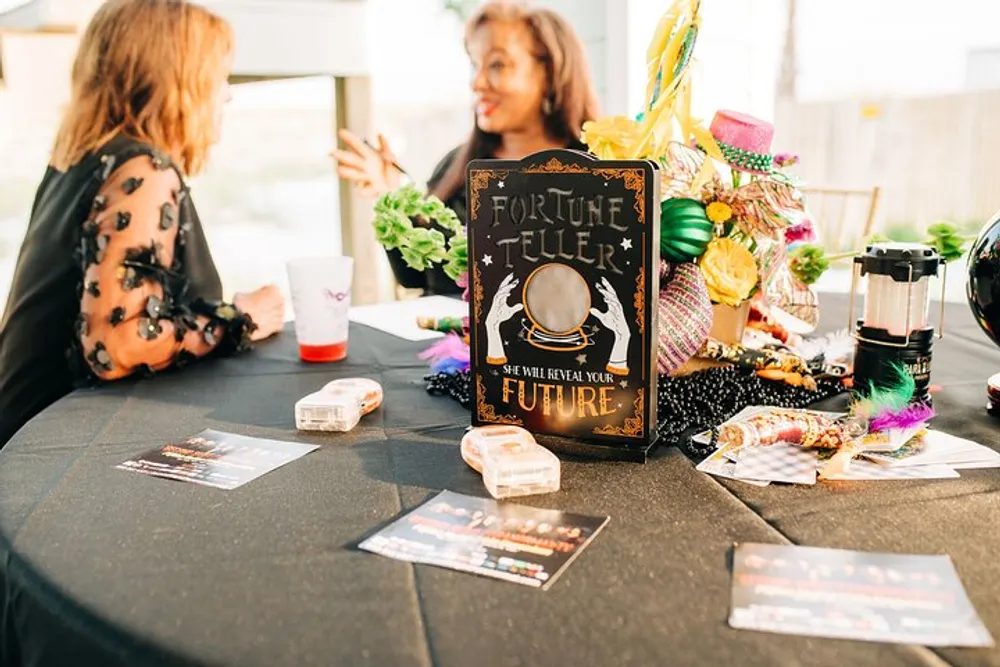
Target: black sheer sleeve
[(134, 311)]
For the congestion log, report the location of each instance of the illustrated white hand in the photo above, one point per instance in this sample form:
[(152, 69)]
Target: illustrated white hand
[(614, 320), (500, 311)]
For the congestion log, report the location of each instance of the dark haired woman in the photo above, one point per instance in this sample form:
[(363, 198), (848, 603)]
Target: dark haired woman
[(533, 92)]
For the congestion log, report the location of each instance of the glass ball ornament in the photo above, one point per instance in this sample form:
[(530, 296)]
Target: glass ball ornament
[(983, 286), (983, 292)]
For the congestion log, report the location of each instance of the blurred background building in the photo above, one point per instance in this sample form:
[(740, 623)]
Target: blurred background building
[(895, 94)]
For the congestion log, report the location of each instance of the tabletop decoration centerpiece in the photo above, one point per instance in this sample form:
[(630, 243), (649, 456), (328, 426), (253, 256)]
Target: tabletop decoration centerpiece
[(733, 224)]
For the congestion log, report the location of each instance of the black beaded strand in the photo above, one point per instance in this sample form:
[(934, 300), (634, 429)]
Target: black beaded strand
[(688, 404)]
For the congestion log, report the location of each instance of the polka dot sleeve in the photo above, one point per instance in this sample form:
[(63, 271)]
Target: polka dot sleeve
[(134, 315)]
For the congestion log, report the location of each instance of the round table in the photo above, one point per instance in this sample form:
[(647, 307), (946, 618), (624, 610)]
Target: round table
[(105, 567)]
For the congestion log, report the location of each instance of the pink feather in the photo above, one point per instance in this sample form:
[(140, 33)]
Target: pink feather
[(905, 418), (448, 354)]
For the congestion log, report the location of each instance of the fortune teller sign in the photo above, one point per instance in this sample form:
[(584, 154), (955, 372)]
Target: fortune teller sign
[(563, 257)]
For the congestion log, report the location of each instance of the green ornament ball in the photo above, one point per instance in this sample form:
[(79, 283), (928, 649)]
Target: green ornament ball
[(685, 230)]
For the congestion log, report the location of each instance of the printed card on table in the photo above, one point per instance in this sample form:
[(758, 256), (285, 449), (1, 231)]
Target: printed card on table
[(864, 470), (721, 463), (217, 459), (564, 273), (777, 463), (505, 541), (938, 447), (852, 595)]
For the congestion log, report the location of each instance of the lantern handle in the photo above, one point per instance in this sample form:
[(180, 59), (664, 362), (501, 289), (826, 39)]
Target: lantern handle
[(850, 303), (944, 281)]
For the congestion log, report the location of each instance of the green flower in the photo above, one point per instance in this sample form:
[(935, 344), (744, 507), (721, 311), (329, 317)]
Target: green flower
[(391, 228), (424, 248), (808, 262), (945, 239), (422, 245), (457, 256)]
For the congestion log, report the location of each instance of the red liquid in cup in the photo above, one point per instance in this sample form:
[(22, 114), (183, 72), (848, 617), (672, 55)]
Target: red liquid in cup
[(321, 353)]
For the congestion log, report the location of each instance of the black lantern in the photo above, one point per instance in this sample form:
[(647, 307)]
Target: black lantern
[(983, 293), (895, 329)]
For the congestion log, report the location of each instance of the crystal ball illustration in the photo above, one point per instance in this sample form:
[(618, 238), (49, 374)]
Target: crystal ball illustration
[(557, 299)]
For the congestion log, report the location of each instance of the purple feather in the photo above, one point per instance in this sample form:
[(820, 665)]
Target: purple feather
[(448, 355), (905, 418)]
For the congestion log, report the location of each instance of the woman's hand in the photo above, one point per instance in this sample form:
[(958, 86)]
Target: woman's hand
[(372, 171), (266, 307)]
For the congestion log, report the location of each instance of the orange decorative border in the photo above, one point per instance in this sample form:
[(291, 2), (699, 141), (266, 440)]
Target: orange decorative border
[(639, 300), (554, 166), (635, 181), (479, 180), (486, 411), (633, 425), (477, 292)]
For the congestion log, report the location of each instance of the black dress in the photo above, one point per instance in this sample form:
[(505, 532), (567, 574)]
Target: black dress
[(434, 280), (150, 304)]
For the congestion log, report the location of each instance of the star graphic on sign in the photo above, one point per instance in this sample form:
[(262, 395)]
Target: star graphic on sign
[(626, 244), (624, 384), (487, 260), (581, 359), (500, 185)]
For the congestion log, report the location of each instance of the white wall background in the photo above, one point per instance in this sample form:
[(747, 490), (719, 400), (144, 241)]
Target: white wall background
[(272, 185)]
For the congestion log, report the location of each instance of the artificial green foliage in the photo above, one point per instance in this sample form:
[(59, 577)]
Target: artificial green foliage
[(458, 256), (392, 228), (421, 245), (945, 239), (808, 262), (424, 248)]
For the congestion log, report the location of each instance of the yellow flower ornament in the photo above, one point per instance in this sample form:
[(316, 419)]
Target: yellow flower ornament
[(719, 212), (730, 271), (612, 137)]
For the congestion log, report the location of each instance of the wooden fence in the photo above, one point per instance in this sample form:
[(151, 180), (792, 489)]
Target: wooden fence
[(935, 158)]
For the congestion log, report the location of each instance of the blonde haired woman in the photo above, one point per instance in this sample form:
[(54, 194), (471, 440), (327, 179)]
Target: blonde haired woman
[(115, 276)]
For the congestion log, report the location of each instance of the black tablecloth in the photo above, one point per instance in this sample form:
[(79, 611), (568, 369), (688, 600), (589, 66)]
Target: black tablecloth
[(101, 566)]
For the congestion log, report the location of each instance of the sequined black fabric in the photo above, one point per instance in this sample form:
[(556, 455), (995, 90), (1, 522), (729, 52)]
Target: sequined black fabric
[(691, 403), (149, 328), (99, 358), (131, 185), (167, 216), (123, 220)]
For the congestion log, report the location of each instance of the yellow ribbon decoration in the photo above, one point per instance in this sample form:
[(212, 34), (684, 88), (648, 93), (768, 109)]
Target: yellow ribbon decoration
[(667, 108)]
